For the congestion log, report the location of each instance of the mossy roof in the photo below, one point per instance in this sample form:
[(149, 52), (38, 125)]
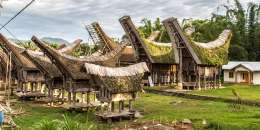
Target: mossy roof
[(160, 53), (213, 56)]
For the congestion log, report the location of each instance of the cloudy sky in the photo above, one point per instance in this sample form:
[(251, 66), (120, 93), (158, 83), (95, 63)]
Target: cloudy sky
[(66, 18)]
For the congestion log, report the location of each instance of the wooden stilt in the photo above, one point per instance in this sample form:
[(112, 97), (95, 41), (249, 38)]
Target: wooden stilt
[(199, 78), (119, 106), (63, 89), (82, 97), (70, 91), (130, 105), (109, 107), (113, 106), (74, 96), (88, 98), (123, 105), (205, 82), (52, 95), (31, 86), (215, 79)]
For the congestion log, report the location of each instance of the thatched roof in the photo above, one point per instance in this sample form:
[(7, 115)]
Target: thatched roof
[(127, 54), (18, 58), (109, 44), (71, 47), (159, 52), (103, 71), (3, 60), (72, 66), (213, 53), (118, 80), (26, 62), (156, 52), (44, 64)]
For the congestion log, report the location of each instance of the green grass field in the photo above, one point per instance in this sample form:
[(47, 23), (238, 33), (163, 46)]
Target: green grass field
[(158, 108), (245, 91)]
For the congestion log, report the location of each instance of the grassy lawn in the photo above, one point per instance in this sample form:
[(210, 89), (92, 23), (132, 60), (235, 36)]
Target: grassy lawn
[(245, 92), (157, 107)]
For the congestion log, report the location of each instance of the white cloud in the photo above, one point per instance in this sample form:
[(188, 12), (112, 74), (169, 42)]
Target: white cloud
[(65, 18)]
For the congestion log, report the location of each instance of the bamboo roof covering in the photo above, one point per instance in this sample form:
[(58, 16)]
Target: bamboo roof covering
[(109, 43), (72, 66), (131, 70), (127, 55)]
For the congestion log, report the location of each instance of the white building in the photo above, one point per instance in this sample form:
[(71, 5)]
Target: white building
[(242, 72)]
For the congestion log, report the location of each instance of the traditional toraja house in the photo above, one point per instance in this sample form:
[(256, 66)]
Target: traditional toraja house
[(25, 71), (73, 68), (53, 77), (199, 63), (161, 58), (117, 85)]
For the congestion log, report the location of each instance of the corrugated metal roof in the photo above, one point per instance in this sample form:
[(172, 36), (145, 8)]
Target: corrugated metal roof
[(253, 66)]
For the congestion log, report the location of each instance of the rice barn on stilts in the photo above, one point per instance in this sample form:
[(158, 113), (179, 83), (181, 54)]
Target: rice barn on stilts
[(117, 84), (199, 63)]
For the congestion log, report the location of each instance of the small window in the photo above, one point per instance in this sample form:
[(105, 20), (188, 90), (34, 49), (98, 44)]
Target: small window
[(231, 75)]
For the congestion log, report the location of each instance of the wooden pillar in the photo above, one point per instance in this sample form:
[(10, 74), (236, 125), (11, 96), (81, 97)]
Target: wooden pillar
[(119, 107), (113, 106), (215, 78), (74, 95), (199, 83), (52, 95), (205, 80), (82, 97), (32, 86), (63, 88), (130, 105), (20, 85), (88, 97), (49, 90), (70, 90), (180, 80), (219, 77), (123, 105), (109, 107)]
